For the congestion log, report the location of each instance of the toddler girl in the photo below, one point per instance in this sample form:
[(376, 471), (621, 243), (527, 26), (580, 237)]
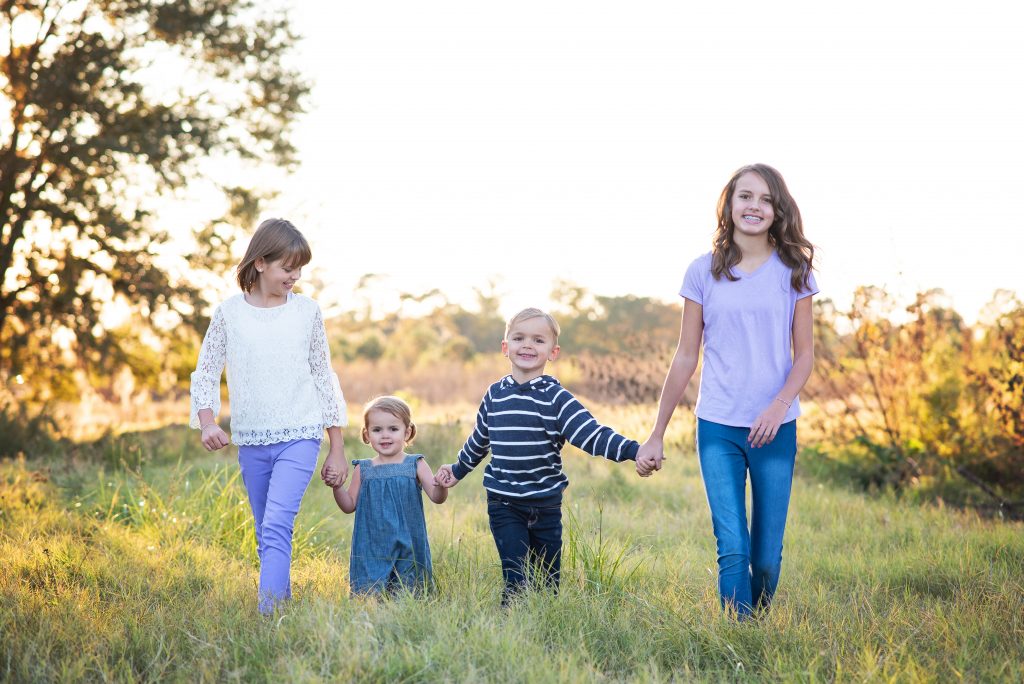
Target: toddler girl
[(389, 543)]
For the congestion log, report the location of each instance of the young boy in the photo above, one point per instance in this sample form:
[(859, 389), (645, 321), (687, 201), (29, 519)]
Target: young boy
[(524, 420)]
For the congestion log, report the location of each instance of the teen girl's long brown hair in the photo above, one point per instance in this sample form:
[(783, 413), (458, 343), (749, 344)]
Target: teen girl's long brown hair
[(786, 234)]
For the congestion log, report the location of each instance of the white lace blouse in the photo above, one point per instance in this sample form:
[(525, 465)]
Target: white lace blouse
[(280, 380)]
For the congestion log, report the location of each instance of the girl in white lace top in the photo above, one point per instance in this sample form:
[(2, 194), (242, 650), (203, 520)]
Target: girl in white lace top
[(284, 394)]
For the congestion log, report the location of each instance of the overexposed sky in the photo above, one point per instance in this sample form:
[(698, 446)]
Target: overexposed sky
[(452, 143)]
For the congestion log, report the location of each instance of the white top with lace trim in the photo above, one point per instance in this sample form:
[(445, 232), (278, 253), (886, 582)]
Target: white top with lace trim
[(280, 380)]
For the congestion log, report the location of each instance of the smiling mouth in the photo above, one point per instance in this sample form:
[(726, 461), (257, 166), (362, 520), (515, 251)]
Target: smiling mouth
[(752, 219)]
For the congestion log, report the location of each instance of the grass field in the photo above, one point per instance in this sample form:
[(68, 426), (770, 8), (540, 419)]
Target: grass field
[(135, 561)]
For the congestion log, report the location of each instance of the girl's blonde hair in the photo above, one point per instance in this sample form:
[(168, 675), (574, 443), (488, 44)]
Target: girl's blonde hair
[(275, 239), (527, 314), (786, 233), (396, 407)]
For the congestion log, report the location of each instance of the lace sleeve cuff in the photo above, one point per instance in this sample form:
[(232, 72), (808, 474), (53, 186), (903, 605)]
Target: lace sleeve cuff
[(200, 400)]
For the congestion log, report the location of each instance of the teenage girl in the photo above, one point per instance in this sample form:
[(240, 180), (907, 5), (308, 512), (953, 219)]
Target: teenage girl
[(749, 301)]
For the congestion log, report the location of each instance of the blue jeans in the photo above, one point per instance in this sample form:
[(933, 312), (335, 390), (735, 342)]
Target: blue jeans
[(526, 530), (749, 560), (276, 476)]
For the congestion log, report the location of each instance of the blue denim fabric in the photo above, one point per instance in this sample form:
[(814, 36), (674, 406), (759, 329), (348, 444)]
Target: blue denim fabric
[(390, 549), (276, 476), (749, 560), (526, 530)]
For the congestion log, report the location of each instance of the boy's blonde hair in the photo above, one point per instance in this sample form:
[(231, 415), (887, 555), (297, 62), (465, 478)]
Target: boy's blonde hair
[(396, 407), (275, 239), (527, 314)]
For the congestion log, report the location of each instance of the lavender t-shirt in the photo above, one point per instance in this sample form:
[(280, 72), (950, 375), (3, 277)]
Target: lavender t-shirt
[(748, 331)]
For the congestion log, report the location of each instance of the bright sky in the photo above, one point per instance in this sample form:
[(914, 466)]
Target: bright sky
[(456, 142)]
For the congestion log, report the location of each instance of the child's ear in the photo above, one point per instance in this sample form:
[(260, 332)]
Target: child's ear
[(554, 353), (366, 436), (260, 264), (504, 347)]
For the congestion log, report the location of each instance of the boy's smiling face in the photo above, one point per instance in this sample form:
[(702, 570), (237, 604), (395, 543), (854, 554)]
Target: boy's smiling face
[(530, 344)]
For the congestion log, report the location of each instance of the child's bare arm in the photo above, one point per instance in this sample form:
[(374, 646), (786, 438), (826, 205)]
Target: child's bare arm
[(432, 488), (347, 499)]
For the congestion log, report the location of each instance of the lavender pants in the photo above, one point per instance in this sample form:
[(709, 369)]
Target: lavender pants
[(276, 476)]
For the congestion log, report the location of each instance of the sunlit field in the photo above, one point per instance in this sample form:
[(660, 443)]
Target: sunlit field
[(133, 559)]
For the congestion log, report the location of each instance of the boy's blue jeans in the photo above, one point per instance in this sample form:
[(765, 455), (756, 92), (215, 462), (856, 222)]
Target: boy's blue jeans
[(526, 530), (276, 476), (749, 560)]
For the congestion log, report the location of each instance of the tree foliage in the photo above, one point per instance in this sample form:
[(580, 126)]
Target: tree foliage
[(918, 401), (105, 105)]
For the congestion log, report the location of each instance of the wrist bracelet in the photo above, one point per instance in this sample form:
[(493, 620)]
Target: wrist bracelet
[(788, 404), (203, 427)]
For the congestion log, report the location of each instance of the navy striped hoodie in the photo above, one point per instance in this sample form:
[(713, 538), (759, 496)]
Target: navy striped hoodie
[(524, 426)]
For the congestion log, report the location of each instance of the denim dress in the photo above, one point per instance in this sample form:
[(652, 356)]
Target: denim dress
[(389, 543)]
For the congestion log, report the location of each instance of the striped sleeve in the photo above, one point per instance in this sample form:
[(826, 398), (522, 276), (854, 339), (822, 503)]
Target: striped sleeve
[(583, 431), (476, 447)]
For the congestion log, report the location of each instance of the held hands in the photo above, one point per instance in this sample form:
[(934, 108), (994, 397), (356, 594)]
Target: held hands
[(335, 470), (213, 437), (766, 425), (444, 477), (650, 457)]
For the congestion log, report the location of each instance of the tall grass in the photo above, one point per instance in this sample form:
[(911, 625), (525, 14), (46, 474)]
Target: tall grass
[(144, 570)]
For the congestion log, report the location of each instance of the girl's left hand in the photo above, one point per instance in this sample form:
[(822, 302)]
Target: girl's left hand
[(766, 425)]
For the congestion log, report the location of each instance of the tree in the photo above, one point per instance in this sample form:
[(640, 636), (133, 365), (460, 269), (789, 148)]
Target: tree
[(106, 104)]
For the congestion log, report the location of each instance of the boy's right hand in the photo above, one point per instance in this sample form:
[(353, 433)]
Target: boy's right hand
[(445, 477), (213, 437)]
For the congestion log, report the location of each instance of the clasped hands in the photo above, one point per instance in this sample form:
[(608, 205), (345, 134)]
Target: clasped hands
[(444, 477), (649, 457), (335, 470)]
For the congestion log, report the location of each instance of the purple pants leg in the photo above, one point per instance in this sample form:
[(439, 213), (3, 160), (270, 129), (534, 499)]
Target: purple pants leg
[(276, 476)]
